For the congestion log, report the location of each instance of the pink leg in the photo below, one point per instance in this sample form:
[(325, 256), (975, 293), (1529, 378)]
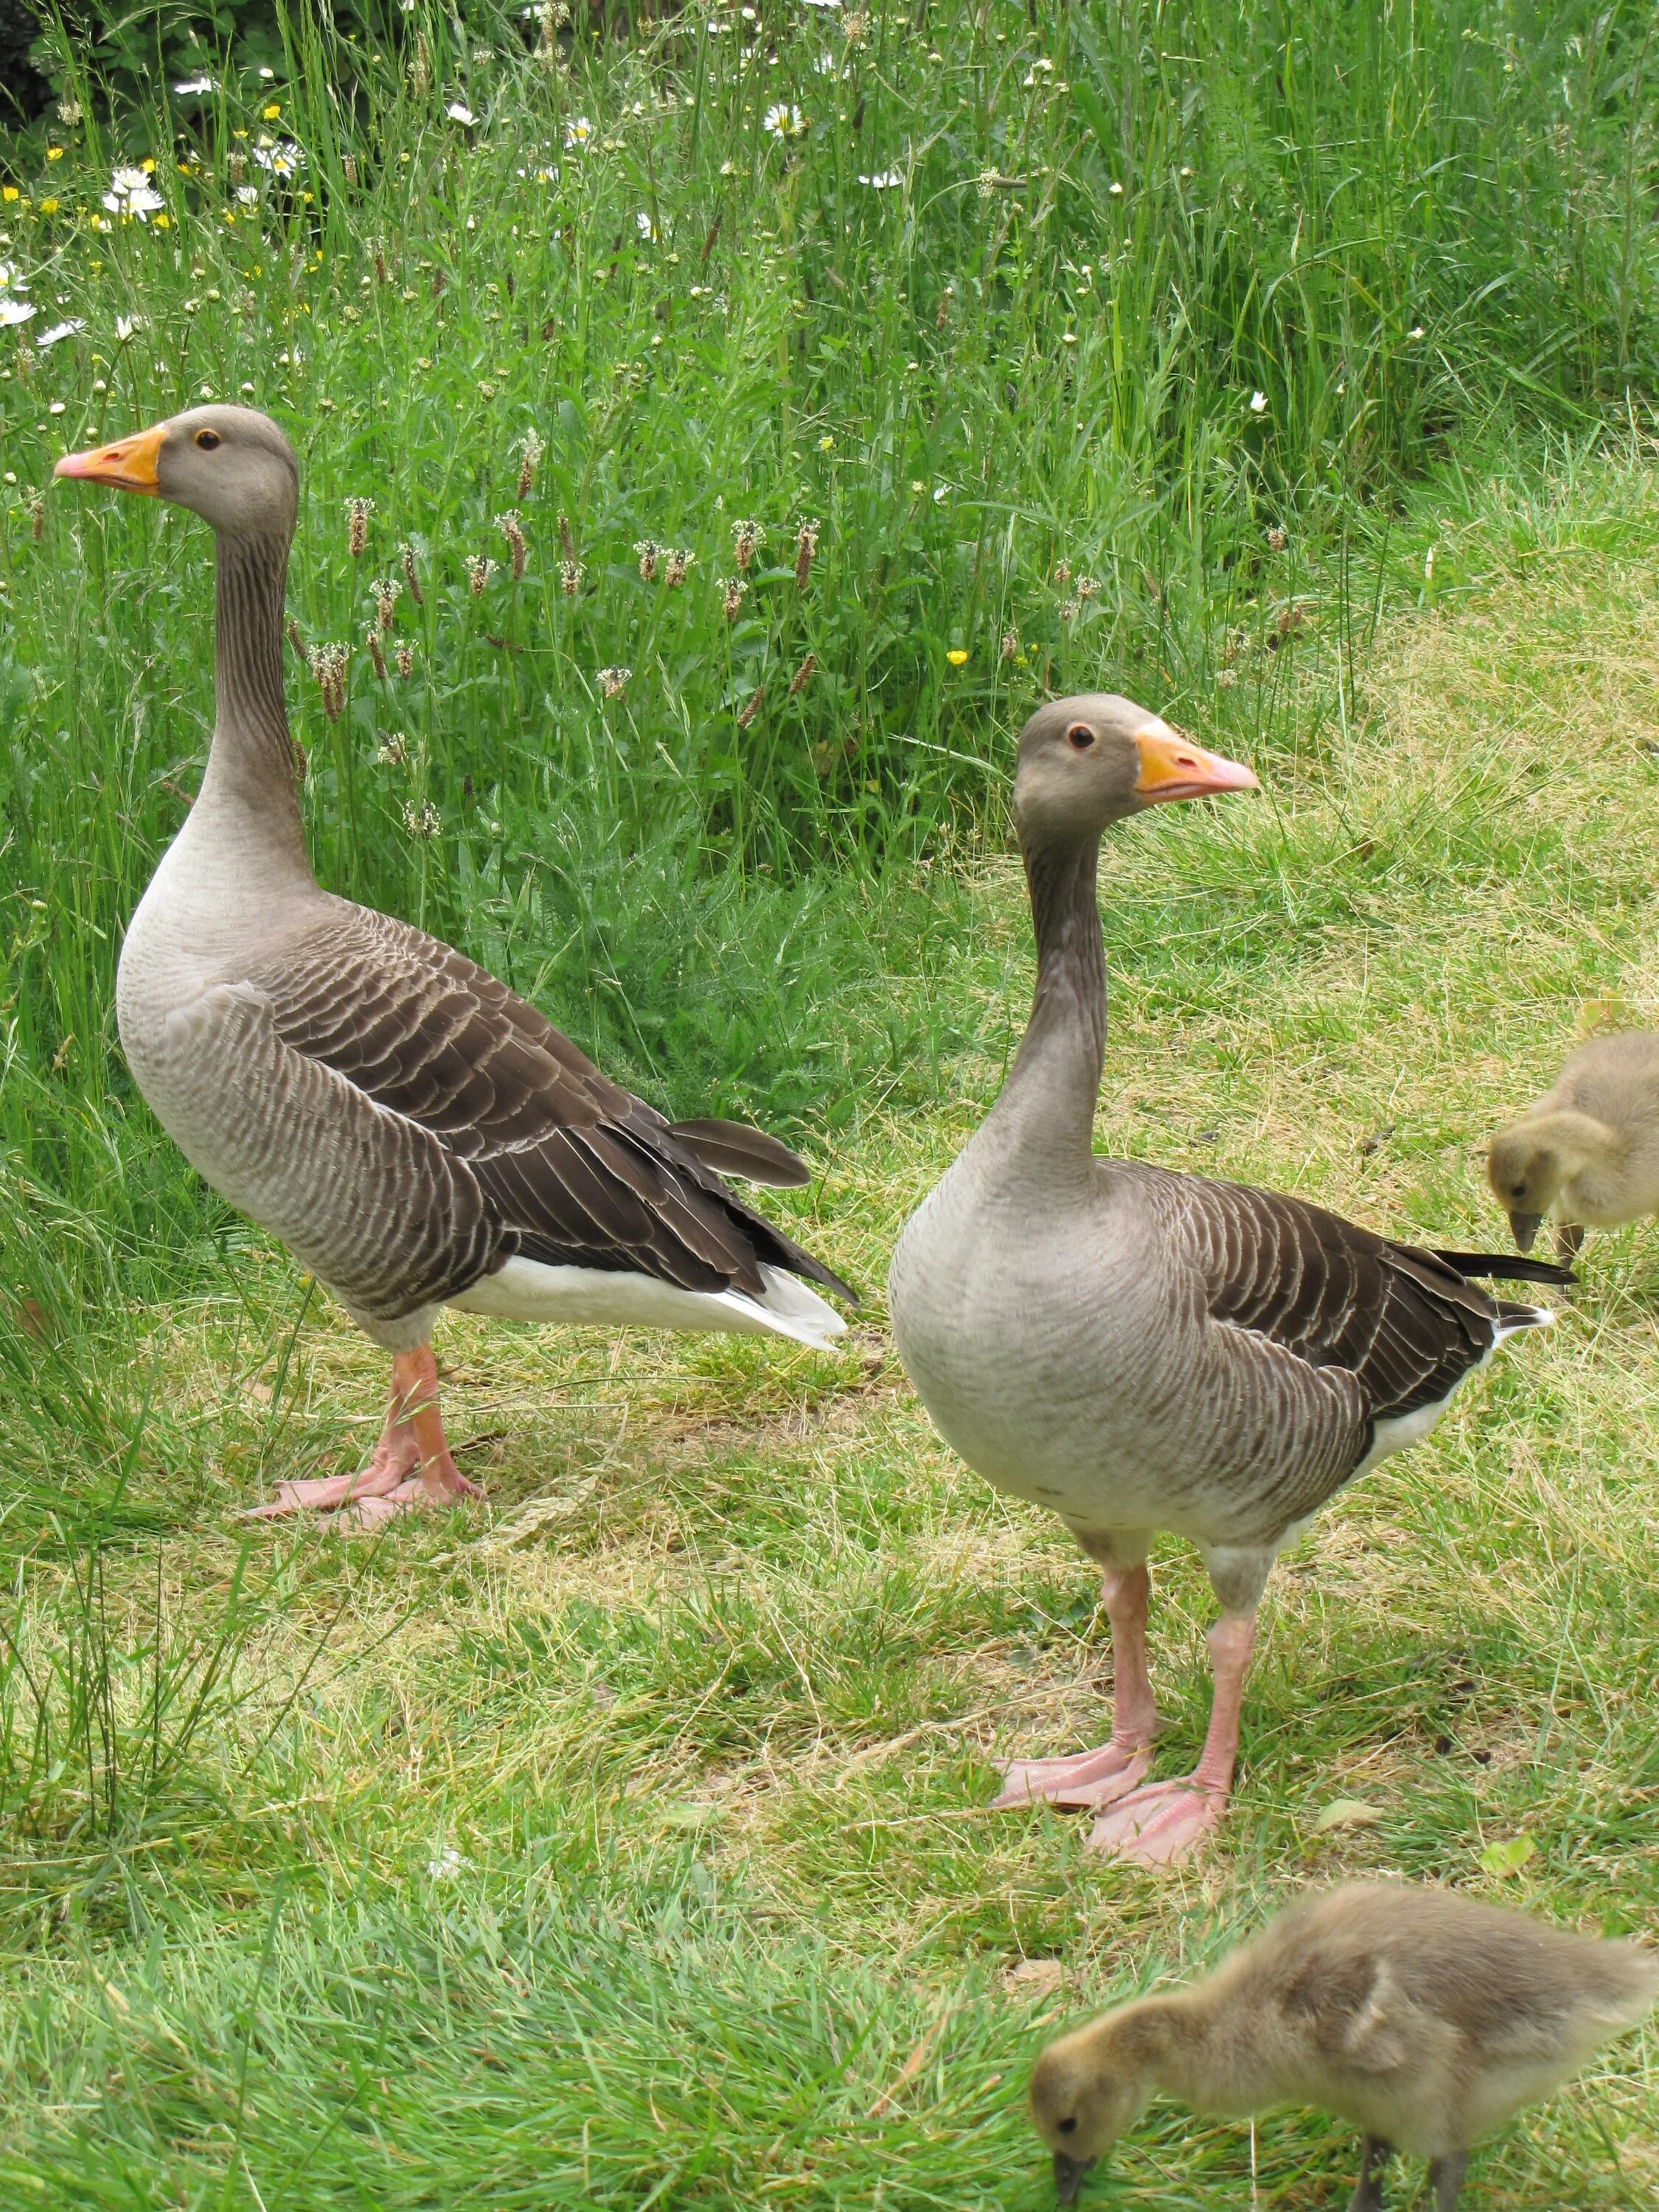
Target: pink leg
[(1097, 1778), (1160, 1824), (411, 1464)]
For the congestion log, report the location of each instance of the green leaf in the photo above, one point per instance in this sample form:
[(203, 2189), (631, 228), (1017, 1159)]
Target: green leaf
[(1347, 1813), (1508, 1856)]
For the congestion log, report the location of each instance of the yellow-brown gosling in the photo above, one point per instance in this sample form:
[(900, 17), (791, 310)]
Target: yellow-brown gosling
[(1589, 1151), (1425, 2018)]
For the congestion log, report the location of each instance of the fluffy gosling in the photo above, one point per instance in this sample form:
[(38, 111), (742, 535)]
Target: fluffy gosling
[(1422, 2016), (1589, 1150)]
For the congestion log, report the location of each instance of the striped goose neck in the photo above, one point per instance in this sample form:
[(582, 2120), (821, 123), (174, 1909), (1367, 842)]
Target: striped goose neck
[(253, 764), (1054, 1083)]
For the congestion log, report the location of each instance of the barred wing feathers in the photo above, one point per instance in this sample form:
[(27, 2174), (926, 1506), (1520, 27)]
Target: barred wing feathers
[(577, 1171)]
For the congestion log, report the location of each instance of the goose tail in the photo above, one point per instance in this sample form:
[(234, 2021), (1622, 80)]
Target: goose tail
[(1505, 1268)]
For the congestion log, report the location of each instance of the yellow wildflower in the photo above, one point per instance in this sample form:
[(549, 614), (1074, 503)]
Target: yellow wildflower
[(956, 658)]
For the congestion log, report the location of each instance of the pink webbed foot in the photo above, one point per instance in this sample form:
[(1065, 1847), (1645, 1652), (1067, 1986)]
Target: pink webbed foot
[(411, 1465), (383, 1475), (1161, 1825), (1092, 1779), (419, 1490)]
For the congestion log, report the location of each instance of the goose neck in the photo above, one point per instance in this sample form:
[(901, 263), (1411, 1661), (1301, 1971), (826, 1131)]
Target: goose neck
[(1054, 1083), (251, 776)]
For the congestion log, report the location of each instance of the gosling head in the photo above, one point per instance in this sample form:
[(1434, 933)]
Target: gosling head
[(1086, 2090), (1526, 1172), (1090, 760), (230, 465)]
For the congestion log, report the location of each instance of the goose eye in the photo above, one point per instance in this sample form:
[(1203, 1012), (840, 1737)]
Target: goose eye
[(206, 440), (1081, 736), (1068, 2127)]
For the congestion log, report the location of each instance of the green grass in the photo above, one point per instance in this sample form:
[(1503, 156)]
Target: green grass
[(622, 1842)]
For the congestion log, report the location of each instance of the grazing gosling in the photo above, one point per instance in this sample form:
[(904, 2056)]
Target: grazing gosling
[(1589, 1150), (1424, 2017)]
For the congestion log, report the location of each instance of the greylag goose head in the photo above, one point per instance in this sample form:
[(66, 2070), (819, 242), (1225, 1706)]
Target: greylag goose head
[(1424, 2018), (1087, 762), (1139, 1350), (416, 1134), (230, 465)]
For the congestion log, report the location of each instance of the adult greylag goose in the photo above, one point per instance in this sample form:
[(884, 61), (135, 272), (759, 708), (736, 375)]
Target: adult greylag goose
[(1589, 1150), (415, 1133), (1142, 1351), (1425, 2019)]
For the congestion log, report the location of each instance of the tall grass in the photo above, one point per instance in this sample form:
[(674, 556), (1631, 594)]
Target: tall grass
[(1052, 332)]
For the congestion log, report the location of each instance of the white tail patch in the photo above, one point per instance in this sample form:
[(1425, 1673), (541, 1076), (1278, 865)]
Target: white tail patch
[(529, 1289), (1528, 1317)]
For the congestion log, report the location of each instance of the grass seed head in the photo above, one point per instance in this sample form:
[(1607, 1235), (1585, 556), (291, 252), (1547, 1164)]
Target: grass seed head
[(37, 514), (531, 450), (731, 590), (751, 706), (613, 682), (377, 249), (357, 513), (803, 675), (1068, 609), (422, 820), (393, 751), (1277, 538), (403, 659), (650, 555), (385, 590), (1062, 574), (406, 556), (747, 538), (296, 638), (329, 664), (570, 577), (377, 657), (1009, 643), (679, 559), (512, 530), (479, 570), (1088, 587), (566, 540), (806, 544)]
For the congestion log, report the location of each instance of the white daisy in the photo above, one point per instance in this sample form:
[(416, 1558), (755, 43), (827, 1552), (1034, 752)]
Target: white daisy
[(61, 331), (248, 195), (13, 311), (284, 158), (193, 85), (783, 119), (126, 325), (646, 227), (1258, 403), (577, 131), (885, 180), (459, 111), (130, 192)]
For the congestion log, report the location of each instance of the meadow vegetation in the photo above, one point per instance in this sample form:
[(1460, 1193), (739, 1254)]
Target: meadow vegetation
[(621, 1842)]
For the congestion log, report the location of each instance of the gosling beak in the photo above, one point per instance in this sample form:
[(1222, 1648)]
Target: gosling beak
[(1172, 767), (130, 464), (1068, 2175), (1524, 1228)]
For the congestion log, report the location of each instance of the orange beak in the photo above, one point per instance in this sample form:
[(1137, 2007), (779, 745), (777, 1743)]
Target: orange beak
[(1172, 767), (129, 464)]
